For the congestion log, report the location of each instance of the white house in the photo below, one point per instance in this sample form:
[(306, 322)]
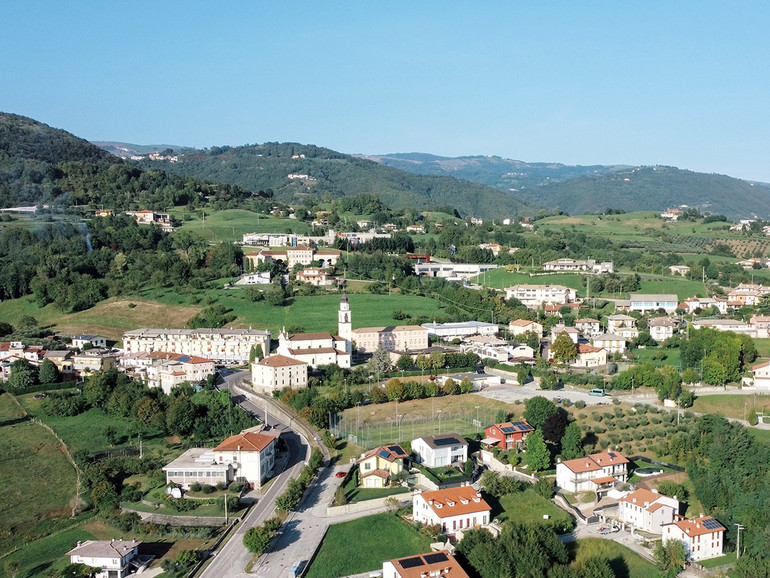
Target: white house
[(197, 465), (589, 356), (623, 325), (447, 270), (592, 473), (277, 372), (80, 341), (588, 327), (702, 537), (314, 348), (645, 302), (682, 270), (761, 376), (113, 557), (661, 328), (535, 296), (647, 510), (734, 325), (610, 343), (571, 332), (441, 450), (579, 265), (460, 330), (521, 326), (433, 565), (452, 509)]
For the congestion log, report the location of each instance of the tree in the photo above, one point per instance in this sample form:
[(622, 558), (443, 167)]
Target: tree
[(554, 426), (405, 362), (27, 322), (572, 442), (180, 416), (537, 457), (537, 410), (549, 381), (690, 375), (563, 349), (5, 329), (596, 567), (380, 361), (23, 375), (670, 555), (451, 387), (49, 373), (99, 387), (394, 389), (437, 360), (257, 539), (104, 496), (531, 339)]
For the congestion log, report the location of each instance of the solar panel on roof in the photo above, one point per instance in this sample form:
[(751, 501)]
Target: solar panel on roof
[(520, 425), (395, 449), (611, 454), (507, 429), (711, 524), (435, 558), (384, 454), (411, 562), (446, 441)]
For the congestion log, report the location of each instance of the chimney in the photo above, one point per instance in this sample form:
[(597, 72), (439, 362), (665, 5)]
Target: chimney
[(80, 543)]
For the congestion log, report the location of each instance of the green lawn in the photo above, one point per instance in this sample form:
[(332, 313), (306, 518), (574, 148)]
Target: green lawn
[(500, 278), (721, 561), (528, 507), (38, 502), (679, 285), (39, 557), (356, 494), (763, 346), (652, 354), (231, 224), (624, 561), (362, 545), (735, 406)]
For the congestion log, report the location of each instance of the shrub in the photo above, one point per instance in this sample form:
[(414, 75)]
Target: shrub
[(580, 404), (625, 437), (208, 489), (221, 486)]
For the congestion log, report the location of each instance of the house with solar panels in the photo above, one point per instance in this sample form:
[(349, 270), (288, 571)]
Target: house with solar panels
[(702, 537), (592, 473), (442, 450), (508, 435), (433, 565), (452, 509), (379, 466)]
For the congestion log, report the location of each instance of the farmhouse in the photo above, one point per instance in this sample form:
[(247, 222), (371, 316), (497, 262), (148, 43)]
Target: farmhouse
[(441, 450), (452, 509), (702, 537)]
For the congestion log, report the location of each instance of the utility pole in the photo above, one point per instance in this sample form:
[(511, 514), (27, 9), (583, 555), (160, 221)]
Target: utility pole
[(738, 541)]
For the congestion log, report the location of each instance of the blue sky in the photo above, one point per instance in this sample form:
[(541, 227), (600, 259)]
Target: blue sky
[(680, 83)]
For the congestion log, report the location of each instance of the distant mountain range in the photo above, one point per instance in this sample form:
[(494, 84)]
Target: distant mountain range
[(576, 189)]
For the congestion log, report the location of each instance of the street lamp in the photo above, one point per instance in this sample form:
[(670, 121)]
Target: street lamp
[(438, 411), (738, 541)]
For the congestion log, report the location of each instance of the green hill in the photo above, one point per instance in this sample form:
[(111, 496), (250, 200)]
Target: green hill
[(40, 164), (656, 188), (295, 172)]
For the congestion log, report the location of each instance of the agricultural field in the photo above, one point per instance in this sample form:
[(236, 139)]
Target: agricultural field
[(41, 501), (376, 538), (732, 406), (231, 224)]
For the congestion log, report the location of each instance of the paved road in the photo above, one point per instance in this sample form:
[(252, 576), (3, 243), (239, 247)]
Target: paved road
[(232, 558)]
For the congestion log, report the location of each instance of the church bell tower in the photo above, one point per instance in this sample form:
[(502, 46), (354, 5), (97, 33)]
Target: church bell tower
[(345, 325)]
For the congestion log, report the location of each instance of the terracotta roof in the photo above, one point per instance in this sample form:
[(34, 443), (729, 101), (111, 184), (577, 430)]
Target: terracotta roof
[(521, 322), (584, 348), (433, 564), (455, 501), (309, 336), (760, 365), (390, 453), (313, 350), (380, 473), (279, 361), (605, 480), (5, 346), (245, 442), (641, 497), (594, 462), (695, 527)]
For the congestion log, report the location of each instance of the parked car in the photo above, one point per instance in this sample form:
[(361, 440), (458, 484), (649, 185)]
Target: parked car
[(609, 529), (341, 474), (597, 391)]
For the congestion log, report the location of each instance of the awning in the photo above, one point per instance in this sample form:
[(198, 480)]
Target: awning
[(607, 480), (490, 441)]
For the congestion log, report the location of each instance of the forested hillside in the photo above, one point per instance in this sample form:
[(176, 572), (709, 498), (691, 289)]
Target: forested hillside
[(493, 171), (44, 165), (293, 172)]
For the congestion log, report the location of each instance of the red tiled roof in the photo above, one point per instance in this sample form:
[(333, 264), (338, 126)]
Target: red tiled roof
[(245, 442), (394, 452), (695, 527), (309, 336), (455, 501), (280, 361), (584, 348), (380, 473)]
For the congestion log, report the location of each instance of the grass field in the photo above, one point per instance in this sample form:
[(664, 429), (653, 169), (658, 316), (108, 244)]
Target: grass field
[(624, 561), (735, 406), (673, 356), (230, 225), (29, 506), (361, 546), (679, 285), (528, 507)]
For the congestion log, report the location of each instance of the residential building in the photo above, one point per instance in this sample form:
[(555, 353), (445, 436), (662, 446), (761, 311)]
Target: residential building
[(251, 454), (682, 270), (734, 325), (760, 376), (521, 326), (393, 338), (415, 229), (746, 294), (610, 343), (452, 509), (113, 557), (314, 348), (507, 435), (462, 329), (442, 450), (434, 565), (81, 341), (300, 254), (647, 302), (93, 361), (198, 466), (647, 510), (494, 247), (579, 265), (317, 276), (452, 271), (588, 327), (661, 328), (623, 325), (535, 296), (594, 472), (671, 214), (378, 466), (230, 346), (168, 370), (571, 332), (761, 325), (62, 359), (698, 304), (277, 372), (703, 537), (589, 356), (255, 278)]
